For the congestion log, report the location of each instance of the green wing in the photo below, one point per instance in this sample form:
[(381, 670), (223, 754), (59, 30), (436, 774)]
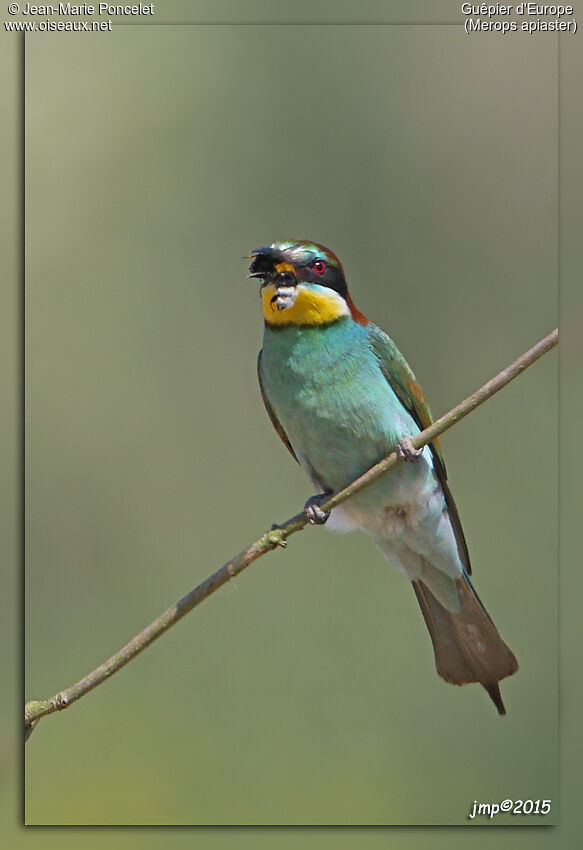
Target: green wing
[(404, 383), (274, 420)]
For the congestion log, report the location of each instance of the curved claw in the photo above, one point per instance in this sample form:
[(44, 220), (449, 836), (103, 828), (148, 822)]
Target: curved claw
[(314, 512), (407, 451)]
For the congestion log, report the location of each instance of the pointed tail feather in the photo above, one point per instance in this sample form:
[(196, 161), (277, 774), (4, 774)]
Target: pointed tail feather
[(467, 645)]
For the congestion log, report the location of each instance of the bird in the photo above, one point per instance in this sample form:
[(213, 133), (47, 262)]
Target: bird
[(341, 397)]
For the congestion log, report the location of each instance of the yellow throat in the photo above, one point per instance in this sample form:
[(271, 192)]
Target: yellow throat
[(310, 306)]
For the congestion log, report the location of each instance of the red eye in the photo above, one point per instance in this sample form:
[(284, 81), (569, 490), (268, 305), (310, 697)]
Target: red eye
[(320, 266)]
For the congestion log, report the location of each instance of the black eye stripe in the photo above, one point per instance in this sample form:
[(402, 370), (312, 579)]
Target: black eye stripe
[(309, 267)]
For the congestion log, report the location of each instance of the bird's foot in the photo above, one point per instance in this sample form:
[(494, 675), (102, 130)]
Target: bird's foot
[(406, 450), (314, 512)]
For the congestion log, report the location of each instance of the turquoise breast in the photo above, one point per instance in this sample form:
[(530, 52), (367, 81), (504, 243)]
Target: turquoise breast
[(335, 405)]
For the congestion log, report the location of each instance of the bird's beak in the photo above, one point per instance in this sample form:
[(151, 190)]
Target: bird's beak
[(261, 263), (271, 269)]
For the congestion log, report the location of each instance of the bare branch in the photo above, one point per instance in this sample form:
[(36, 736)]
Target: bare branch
[(36, 709)]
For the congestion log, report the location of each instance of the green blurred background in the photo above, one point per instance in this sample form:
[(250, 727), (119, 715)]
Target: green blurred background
[(304, 692)]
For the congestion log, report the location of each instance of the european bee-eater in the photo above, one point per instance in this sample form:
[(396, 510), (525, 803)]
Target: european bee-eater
[(341, 397)]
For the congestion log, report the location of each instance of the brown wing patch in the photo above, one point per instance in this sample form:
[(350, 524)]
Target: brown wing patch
[(413, 399), (421, 411)]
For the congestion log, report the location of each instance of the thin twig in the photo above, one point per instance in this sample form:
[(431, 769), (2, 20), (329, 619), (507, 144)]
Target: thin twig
[(35, 709)]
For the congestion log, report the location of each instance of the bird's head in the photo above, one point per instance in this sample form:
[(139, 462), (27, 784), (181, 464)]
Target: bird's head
[(302, 283)]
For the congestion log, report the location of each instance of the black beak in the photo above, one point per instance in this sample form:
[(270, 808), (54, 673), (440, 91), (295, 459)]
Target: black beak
[(262, 263), (263, 266)]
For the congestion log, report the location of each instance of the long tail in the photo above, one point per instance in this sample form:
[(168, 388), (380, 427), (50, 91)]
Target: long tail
[(467, 645)]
